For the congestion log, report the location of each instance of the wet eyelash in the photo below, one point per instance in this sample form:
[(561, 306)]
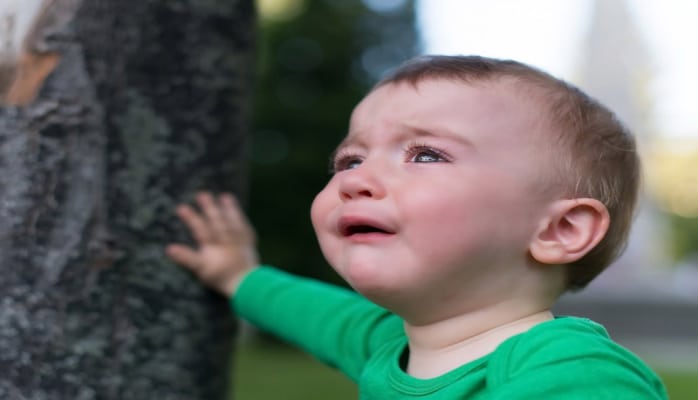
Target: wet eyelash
[(340, 160), (414, 148)]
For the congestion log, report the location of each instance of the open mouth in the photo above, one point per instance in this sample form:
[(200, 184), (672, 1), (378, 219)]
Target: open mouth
[(358, 229), (351, 227)]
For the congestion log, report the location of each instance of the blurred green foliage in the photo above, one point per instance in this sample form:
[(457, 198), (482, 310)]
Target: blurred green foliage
[(313, 68), (684, 238)]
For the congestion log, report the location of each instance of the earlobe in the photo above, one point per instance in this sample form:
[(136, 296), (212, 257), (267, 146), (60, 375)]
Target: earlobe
[(570, 231)]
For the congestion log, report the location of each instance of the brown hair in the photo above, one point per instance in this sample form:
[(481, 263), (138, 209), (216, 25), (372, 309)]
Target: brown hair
[(600, 160)]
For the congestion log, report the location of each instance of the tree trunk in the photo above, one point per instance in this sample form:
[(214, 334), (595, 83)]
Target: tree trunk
[(112, 112)]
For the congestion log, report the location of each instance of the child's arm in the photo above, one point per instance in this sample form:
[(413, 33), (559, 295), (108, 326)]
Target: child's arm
[(225, 243), (335, 325)]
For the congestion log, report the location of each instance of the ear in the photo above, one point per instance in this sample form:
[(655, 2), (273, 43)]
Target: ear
[(570, 230)]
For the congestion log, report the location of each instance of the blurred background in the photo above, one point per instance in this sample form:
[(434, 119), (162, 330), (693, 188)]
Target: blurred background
[(318, 57)]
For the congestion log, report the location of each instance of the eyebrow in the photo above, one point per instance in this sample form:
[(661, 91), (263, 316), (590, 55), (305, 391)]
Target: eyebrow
[(439, 132), (407, 130)]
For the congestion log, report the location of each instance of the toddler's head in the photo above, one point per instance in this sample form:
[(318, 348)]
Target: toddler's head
[(593, 154)]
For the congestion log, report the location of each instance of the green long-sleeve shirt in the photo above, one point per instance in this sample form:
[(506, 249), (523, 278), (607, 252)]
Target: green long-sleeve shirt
[(565, 358)]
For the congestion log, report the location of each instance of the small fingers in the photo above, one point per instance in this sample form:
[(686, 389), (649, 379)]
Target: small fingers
[(198, 226), (184, 255), (233, 215), (211, 207), (231, 212)]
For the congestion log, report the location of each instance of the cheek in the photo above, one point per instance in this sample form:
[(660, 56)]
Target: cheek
[(437, 219), (489, 218), (320, 210), (317, 211), (460, 222), (321, 218), (442, 206)]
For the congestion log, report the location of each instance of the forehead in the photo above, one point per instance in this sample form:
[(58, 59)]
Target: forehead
[(497, 105)]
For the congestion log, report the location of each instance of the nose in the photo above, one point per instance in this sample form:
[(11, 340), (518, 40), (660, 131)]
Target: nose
[(362, 182)]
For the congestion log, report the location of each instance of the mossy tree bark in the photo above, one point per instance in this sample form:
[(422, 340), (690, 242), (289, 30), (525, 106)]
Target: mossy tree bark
[(113, 111)]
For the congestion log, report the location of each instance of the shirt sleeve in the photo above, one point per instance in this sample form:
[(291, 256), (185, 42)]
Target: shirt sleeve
[(336, 325)]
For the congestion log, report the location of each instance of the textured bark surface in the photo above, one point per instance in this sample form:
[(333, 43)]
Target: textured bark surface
[(146, 105)]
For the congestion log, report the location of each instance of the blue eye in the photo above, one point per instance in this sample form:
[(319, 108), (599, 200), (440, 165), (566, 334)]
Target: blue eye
[(419, 153), (426, 157), (345, 162)]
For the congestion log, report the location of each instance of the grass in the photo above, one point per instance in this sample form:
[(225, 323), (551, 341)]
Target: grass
[(264, 371), (269, 371), (682, 385)]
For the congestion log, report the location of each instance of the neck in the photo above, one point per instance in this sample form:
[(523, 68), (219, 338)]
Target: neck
[(444, 345)]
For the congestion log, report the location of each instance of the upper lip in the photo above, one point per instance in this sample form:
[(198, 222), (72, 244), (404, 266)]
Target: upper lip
[(349, 225)]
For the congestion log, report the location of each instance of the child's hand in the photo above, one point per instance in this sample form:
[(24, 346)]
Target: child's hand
[(225, 241)]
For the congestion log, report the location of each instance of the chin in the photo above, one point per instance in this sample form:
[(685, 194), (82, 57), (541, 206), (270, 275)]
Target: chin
[(370, 281)]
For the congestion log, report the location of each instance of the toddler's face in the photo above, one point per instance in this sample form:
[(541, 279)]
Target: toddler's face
[(434, 195)]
